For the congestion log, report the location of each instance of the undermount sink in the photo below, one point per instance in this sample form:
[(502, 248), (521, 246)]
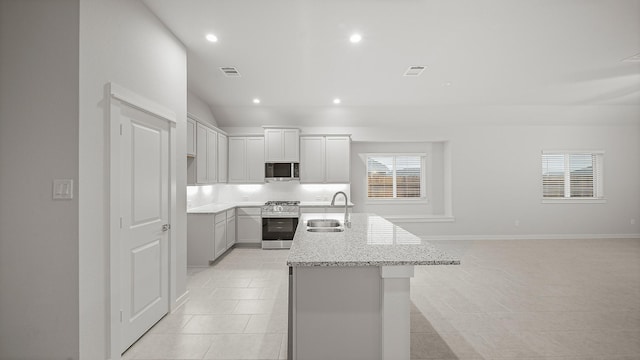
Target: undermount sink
[(326, 229), (324, 225), (330, 223)]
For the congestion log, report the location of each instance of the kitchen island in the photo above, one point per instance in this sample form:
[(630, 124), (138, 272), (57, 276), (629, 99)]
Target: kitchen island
[(349, 290)]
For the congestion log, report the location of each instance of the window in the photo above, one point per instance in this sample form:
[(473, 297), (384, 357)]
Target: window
[(396, 176), (572, 175)]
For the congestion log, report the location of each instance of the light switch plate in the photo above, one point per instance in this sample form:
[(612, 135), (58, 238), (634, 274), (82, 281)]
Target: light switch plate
[(63, 189)]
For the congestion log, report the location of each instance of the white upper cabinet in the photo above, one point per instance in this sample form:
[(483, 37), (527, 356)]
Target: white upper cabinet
[(206, 169), (223, 153), (337, 159), (312, 153), (325, 159), (212, 156), (201, 154), (237, 159), (282, 145), (191, 137), (255, 159), (246, 159)]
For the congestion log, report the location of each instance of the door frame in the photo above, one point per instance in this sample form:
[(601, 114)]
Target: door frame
[(120, 95)]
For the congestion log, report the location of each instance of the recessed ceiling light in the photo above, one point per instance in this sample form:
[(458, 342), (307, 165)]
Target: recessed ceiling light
[(256, 101), (355, 38), (337, 101), (212, 38)]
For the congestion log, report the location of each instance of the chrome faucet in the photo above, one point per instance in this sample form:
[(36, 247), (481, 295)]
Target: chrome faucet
[(347, 222)]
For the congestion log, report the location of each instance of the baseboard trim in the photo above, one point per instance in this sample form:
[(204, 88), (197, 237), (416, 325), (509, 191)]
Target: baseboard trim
[(257, 245), (181, 300), (431, 237)]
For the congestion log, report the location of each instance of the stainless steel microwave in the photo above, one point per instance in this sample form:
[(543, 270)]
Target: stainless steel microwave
[(281, 171)]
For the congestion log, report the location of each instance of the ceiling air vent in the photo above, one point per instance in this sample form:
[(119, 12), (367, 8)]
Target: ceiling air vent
[(414, 70), (230, 71), (634, 58)]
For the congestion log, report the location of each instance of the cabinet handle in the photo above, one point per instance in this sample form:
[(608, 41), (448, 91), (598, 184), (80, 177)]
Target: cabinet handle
[(166, 227)]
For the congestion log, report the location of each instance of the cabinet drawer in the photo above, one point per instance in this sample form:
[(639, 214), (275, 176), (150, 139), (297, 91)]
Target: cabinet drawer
[(249, 211)]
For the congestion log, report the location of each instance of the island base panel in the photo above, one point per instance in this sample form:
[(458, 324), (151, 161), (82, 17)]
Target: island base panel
[(337, 313)]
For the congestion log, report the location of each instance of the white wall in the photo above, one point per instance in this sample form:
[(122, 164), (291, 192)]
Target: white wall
[(122, 42), (496, 171), (199, 195), (38, 143), (433, 206), (199, 110)]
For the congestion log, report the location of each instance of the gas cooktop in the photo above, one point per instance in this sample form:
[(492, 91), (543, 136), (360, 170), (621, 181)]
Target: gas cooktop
[(281, 209), (289, 203)]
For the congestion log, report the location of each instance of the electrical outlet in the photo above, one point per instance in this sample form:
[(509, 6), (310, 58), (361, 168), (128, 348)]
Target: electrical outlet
[(516, 223)]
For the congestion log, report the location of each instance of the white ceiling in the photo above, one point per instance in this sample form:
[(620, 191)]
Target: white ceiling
[(295, 56)]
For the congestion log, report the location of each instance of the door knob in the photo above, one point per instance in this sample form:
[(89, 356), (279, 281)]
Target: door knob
[(166, 227)]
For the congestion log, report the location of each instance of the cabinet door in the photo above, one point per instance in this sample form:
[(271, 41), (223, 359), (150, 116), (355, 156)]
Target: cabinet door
[(273, 145), (191, 137), (337, 159), (201, 154), (255, 159), (223, 153), (291, 145), (220, 237), (231, 231), (212, 156), (249, 229), (312, 159), (237, 162)]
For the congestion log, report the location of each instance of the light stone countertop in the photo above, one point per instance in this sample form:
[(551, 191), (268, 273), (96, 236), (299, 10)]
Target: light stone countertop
[(220, 207), (370, 241)]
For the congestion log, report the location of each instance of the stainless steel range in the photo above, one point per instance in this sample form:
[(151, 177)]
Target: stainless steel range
[(279, 223)]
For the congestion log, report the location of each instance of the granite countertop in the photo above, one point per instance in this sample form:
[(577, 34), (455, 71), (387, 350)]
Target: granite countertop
[(370, 241), (339, 204)]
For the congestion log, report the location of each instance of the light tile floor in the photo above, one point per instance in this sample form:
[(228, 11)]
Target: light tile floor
[(534, 299)]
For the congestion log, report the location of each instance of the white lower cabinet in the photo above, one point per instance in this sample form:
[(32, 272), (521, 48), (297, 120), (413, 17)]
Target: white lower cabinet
[(231, 228), (249, 225), (220, 243), (209, 236)]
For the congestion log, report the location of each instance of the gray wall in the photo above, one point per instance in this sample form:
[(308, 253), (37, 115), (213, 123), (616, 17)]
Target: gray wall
[(38, 143)]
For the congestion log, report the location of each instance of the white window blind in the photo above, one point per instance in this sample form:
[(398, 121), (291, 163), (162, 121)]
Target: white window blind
[(395, 176), (572, 175)]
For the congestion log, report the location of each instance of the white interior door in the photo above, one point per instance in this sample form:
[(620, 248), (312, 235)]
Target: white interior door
[(145, 204)]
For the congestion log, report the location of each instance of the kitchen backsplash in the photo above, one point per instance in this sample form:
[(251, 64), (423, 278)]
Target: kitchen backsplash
[(291, 190)]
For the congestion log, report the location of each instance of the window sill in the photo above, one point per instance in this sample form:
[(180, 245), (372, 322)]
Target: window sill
[(574, 201), (396, 201)]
